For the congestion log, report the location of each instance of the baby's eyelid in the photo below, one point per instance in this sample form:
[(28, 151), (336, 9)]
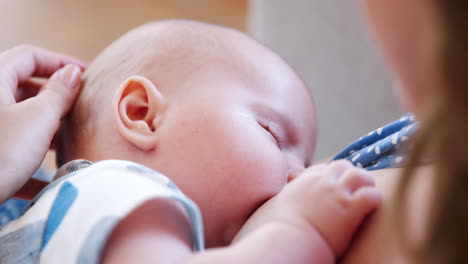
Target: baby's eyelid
[(271, 128)]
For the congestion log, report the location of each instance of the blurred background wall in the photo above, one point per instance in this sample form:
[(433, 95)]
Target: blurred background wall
[(85, 27), (325, 40)]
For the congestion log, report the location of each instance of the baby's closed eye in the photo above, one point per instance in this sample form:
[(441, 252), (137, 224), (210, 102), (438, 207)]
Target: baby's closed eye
[(272, 131)]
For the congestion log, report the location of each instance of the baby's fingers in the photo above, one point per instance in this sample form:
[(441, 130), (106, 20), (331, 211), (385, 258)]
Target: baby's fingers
[(355, 178), (337, 169), (367, 199)]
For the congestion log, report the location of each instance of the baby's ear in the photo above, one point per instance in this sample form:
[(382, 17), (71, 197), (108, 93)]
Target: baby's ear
[(137, 107)]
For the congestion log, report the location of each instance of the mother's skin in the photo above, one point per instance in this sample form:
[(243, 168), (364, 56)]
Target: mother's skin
[(408, 34), (374, 243)]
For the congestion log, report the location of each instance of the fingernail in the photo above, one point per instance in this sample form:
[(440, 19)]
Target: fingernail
[(69, 75)]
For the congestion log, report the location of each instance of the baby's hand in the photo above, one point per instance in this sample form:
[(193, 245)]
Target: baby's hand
[(332, 199)]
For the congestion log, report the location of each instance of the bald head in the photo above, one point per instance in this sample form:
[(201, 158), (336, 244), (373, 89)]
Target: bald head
[(170, 54), (173, 47), (164, 52)]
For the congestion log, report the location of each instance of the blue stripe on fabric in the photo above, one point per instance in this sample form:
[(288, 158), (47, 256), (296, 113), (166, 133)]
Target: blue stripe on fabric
[(196, 221), (65, 198), (11, 209)]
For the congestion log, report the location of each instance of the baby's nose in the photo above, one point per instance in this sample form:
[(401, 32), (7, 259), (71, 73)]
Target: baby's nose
[(296, 167)]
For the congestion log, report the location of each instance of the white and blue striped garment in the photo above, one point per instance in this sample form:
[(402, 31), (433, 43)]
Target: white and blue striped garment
[(70, 220)]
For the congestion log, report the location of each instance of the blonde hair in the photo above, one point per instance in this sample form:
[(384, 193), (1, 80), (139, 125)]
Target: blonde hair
[(443, 132)]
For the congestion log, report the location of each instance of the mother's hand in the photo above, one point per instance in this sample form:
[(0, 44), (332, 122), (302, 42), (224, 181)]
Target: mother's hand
[(30, 113)]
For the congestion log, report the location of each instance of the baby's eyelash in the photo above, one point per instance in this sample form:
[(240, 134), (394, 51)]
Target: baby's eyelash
[(272, 133)]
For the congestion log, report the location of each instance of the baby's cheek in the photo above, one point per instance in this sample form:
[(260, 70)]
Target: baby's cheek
[(267, 173), (256, 181), (253, 165)]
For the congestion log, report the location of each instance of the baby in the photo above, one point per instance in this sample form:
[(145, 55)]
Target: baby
[(230, 124)]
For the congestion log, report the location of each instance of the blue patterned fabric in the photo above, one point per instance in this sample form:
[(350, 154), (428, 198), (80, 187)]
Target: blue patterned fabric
[(65, 198), (12, 208), (380, 148), (71, 219)]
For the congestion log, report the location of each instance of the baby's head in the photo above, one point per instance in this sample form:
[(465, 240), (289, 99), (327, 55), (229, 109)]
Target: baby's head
[(221, 115)]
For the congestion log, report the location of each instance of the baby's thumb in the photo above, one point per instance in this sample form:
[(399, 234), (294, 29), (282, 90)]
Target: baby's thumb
[(60, 90)]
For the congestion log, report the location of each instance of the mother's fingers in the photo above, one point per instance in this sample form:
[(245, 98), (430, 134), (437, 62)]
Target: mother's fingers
[(29, 89), (17, 65), (28, 61)]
